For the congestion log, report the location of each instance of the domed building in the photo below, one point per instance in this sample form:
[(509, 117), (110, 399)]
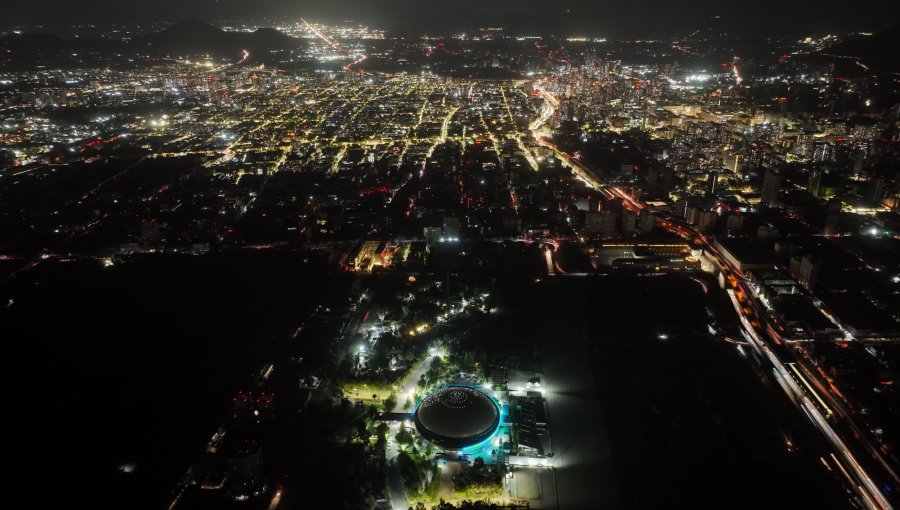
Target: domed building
[(457, 417)]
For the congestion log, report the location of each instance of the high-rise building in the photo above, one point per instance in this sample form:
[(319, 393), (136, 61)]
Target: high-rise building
[(858, 163), (602, 223), (735, 223), (691, 213), (822, 151), (809, 271), (629, 223), (712, 179), (646, 222), (608, 223), (770, 189), (814, 184), (875, 189), (680, 208), (706, 220), (150, 235)]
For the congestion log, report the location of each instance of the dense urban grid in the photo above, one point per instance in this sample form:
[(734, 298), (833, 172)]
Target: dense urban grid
[(313, 265)]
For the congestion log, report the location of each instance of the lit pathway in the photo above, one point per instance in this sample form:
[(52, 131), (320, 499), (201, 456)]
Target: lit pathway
[(409, 385), (395, 481)]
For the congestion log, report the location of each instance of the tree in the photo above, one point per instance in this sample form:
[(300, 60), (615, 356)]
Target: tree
[(409, 471), (404, 436), (390, 402), (361, 429), (381, 432)]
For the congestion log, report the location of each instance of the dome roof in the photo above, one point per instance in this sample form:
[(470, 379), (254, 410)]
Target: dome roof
[(457, 416)]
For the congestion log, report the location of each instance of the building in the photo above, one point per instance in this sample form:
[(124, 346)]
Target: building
[(456, 417), (629, 223), (744, 254), (451, 229), (734, 223), (875, 189), (592, 222), (432, 234), (608, 223), (808, 271), (150, 232), (371, 254), (771, 188), (822, 151), (712, 180), (814, 183), (608, 252), (706, 220), (602, 223), (646, 222)]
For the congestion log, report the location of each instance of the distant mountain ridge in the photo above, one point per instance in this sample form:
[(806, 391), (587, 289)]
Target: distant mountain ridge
[(189, 37), (192, 36)]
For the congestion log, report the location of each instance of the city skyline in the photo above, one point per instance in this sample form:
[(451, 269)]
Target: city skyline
[(617, 19), (624, 256)]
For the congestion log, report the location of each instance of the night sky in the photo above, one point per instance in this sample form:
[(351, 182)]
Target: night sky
[(597, 17)]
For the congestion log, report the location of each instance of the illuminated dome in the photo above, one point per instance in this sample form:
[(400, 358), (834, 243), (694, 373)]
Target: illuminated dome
[(457, 416)]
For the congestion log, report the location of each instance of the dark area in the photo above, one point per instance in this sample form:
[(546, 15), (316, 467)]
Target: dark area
[(136, 364)]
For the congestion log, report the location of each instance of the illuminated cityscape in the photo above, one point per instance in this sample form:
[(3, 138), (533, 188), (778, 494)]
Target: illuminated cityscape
[(386, 256)]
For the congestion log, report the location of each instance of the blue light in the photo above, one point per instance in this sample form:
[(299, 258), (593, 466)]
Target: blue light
[(476, 447)]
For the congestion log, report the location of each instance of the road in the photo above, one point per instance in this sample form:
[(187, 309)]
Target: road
[(755, 327), (810, 401), (578, 168)]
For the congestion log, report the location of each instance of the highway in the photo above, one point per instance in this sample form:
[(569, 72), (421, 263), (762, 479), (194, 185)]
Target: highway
[(578, 168), (811, 399)]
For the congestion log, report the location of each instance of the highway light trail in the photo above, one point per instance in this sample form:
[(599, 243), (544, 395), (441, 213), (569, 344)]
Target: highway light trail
[(358, 58), (793, 367), (798, 396), (548, 258), (868, 492), (322, 36)]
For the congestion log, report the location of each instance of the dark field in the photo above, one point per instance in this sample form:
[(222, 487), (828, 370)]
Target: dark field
[(136, 364), (639, 422)]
